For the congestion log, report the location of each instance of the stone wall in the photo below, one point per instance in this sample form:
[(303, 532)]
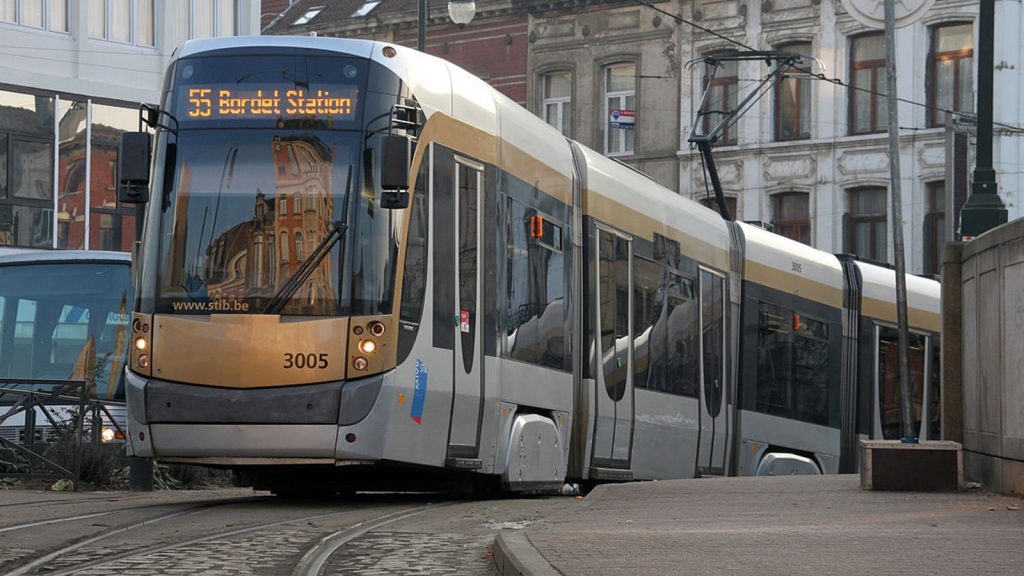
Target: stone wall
[(991, 279)]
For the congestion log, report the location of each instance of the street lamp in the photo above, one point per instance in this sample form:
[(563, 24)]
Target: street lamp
[(460, 11)]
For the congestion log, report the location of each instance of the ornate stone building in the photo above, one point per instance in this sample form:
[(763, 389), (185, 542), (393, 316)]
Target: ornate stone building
[(810, 158)]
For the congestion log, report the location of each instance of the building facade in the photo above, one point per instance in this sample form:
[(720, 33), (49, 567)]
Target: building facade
[(493, 46), (810, 158), (72, 76)]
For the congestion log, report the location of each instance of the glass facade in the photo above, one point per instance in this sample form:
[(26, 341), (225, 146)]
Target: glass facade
[(58, 173)]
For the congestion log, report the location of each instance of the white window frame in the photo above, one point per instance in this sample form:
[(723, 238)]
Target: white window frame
[(193, 8), (19, 17), (133, 24), (559, 102), (606, 109)]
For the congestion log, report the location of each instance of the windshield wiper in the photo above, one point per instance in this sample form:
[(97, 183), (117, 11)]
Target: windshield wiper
[(337, 233), (307, 267)]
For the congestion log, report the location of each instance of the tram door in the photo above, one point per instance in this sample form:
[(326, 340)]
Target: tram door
[(467, 397), (613, 430), (714, 413)]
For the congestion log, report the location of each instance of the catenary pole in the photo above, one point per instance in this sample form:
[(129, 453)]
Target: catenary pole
[(906, 410)]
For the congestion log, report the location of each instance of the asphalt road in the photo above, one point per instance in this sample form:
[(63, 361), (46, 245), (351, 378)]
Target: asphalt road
[(238, 531)]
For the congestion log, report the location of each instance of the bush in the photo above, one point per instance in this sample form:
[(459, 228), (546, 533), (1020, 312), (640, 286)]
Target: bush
[(98, 463), (11, 462)]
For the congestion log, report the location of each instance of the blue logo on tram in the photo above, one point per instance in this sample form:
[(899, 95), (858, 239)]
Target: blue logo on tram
[(420, 395)]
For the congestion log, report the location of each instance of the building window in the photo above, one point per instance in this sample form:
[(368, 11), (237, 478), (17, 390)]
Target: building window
[(46, 14), (730, 202), (866, 224), (935, 227), (208, 18), (868, 110), (309, 15), (125, 21), (363, 10), (556, 101), (793, 100), (618, 123), (721, 99), (791, 216), (111, 225), (951, 71)]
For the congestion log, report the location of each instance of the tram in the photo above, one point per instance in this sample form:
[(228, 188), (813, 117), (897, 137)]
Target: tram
[(361, 263)]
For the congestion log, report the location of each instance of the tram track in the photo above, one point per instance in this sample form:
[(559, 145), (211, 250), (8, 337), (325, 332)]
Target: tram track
[(109, 532), (56, 562), (313, 561), (86, 516)]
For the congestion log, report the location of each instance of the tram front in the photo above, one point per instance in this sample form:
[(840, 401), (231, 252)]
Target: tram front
[(269, 255)]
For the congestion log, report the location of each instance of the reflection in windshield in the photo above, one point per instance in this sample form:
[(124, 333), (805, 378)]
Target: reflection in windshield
[(248, 209)]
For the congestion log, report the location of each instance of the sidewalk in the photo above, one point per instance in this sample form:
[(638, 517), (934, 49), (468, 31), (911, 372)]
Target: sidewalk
[(790, 525)]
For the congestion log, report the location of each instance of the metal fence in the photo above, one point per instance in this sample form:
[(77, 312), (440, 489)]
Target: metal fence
[(64, 405)]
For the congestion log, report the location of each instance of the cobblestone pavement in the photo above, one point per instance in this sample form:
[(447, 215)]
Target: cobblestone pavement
[(235, 533), (408, 553)]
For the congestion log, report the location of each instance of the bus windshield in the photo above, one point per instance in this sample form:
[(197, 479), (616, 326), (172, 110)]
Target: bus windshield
[(249, 207), (65, 321)]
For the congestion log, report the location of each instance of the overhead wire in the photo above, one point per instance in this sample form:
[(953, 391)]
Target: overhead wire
[(819, 75)]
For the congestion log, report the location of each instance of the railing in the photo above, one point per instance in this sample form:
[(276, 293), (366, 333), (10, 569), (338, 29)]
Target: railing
[(32, 397)]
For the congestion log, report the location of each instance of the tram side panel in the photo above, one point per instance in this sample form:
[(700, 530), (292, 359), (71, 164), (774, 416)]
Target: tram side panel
[(791, 358)]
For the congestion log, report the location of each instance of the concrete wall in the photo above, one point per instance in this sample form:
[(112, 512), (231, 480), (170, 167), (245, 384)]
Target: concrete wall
[(992, 284)]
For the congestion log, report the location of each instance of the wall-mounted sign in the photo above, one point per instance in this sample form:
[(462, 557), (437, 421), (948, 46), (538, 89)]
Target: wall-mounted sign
[(622, 118)]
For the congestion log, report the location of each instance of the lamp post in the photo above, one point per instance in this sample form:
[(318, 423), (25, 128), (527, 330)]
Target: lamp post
[(460, 11), (984, 210)]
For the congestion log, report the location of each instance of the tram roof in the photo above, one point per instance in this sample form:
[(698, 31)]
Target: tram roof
[(356, 47)]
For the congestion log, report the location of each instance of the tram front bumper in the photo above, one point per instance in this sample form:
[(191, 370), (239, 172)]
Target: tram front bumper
[(222, 426)]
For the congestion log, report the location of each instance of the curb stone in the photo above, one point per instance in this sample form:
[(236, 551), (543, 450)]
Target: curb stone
[(514, 555)]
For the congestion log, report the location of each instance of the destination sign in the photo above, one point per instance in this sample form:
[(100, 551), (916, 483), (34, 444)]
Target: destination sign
[(216, 102)]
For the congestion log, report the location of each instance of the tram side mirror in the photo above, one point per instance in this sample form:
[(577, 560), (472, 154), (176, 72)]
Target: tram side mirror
[(394, 172), (133, 168)]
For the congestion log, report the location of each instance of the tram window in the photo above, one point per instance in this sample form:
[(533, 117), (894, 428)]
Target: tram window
[(613, 283), (712, 298), (648, 333), (889, 381), (682, 346), (792, 365), (935, 395), (535, 325), (414, 278)]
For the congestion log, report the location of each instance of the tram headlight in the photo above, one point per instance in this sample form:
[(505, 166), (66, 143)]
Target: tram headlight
[(143, 361), (360, 363), (367, 346), (140, 344), (108, 434)]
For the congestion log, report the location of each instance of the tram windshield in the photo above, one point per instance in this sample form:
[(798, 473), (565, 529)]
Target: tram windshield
[(65, 321), (269, 150)]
